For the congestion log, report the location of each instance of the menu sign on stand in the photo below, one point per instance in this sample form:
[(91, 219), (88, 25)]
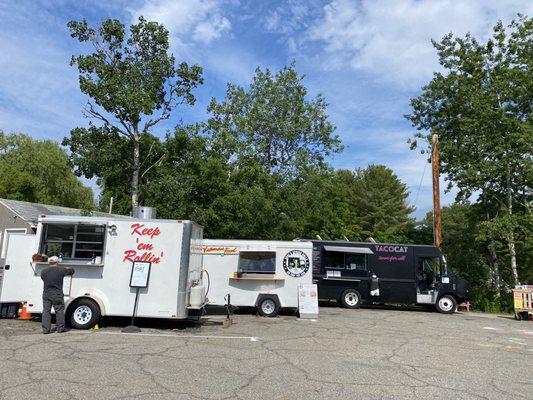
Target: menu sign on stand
[(308, 301), (140, 275)]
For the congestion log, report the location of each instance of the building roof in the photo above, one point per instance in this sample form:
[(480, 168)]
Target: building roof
[(30, 212)]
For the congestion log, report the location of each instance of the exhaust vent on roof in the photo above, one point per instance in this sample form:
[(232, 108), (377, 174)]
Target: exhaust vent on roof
[(145, 212)]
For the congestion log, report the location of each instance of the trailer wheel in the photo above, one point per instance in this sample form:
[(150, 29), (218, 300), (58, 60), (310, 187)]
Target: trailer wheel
[(446, 304), (84, 314), (268, 307), (351, 298)]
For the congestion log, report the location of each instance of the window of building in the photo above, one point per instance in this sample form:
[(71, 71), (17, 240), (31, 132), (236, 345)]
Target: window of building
[(257, 262), (71, 241)]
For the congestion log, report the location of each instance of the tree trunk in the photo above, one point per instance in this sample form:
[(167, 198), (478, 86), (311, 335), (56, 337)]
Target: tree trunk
[(492, 250), (136, 168), (512, 250)]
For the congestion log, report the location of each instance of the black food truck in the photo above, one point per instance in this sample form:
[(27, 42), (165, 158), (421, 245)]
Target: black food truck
[(355, 272)]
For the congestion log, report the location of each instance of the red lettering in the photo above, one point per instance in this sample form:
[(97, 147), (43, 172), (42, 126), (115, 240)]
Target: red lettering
[(135, 229), (152, 232), (132, 255), (145, 246), (128, 255)]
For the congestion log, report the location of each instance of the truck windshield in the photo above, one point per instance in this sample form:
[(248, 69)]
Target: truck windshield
[(431, 266)]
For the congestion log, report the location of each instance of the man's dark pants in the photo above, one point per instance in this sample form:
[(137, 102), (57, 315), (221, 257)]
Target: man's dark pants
[(53, 299)]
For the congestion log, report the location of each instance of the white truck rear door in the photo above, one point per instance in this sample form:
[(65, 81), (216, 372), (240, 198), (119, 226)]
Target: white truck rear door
[(18, 273)]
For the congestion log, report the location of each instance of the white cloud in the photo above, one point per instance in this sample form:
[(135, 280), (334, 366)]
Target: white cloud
[(201, 32), (291, 16), (201, 20), (391, 39), (206, 31)]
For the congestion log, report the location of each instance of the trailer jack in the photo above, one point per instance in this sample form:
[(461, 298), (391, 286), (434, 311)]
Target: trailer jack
[(229, 312)]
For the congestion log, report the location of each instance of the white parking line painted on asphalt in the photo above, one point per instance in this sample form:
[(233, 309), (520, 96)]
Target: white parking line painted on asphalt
[(526, 332), (250, 338), (517, 341), (491, 328)]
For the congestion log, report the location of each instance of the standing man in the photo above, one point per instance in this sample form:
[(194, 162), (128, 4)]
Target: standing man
[(53, 294)]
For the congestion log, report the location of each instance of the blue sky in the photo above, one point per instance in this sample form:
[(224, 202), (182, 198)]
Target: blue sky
[(368, 58)]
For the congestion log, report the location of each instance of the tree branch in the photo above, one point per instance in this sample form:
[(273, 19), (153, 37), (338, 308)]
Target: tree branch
[(148, 155), (91, 112), (166, 109), (157, 163)]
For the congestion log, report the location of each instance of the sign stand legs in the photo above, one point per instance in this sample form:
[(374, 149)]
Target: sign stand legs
[(132, 328)]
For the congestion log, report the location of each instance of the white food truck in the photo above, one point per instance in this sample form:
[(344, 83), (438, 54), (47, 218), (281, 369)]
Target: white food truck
[(262, 274), (102, 251)]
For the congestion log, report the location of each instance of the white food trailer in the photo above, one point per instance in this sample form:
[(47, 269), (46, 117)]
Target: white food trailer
[(102, 251), (263, 274)]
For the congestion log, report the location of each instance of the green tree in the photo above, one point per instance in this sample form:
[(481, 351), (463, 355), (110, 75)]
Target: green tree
[(317, 203), (39, 171), (240, 174), (195, 182), (481, 109), (105, 156), (465, 246), (273, 124), (380, 201), (347, 204), (133, 84)]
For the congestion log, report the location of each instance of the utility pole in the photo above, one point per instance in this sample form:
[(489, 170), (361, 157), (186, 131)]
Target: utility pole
[(437, 226)]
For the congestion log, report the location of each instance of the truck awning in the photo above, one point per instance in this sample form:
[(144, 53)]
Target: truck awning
[(344, 249)]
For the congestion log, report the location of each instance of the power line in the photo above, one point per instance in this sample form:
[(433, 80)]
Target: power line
[(420, 184)]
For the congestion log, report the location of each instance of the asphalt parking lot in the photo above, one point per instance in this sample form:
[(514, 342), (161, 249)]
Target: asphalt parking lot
[(344, 354)]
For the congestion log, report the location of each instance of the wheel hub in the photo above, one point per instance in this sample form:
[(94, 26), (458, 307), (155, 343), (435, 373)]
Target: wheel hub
[(268, 306), (445, 304), (82, 315), (351, 299)]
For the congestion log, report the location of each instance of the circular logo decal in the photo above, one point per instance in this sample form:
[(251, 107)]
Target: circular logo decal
[(296, 263)]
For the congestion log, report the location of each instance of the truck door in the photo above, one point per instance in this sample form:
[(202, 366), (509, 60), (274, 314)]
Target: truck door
[(428, 271), (18, 273)]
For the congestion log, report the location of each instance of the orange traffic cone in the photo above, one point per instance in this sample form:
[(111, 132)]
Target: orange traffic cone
[(23, 314)]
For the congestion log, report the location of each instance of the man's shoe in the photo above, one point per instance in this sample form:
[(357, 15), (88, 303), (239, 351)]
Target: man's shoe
[(46, 332), (63, 330)]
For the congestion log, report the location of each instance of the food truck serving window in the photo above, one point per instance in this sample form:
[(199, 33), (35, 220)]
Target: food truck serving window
[(348, 261), (257, 262), (73, 241)]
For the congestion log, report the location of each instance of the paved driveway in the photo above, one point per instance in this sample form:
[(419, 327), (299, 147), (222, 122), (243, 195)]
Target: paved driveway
[(344, 354)]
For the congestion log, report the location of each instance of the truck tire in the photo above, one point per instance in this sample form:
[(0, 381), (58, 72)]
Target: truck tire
[(84, 314), (351, 298), (446, 304), (268, 307)]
